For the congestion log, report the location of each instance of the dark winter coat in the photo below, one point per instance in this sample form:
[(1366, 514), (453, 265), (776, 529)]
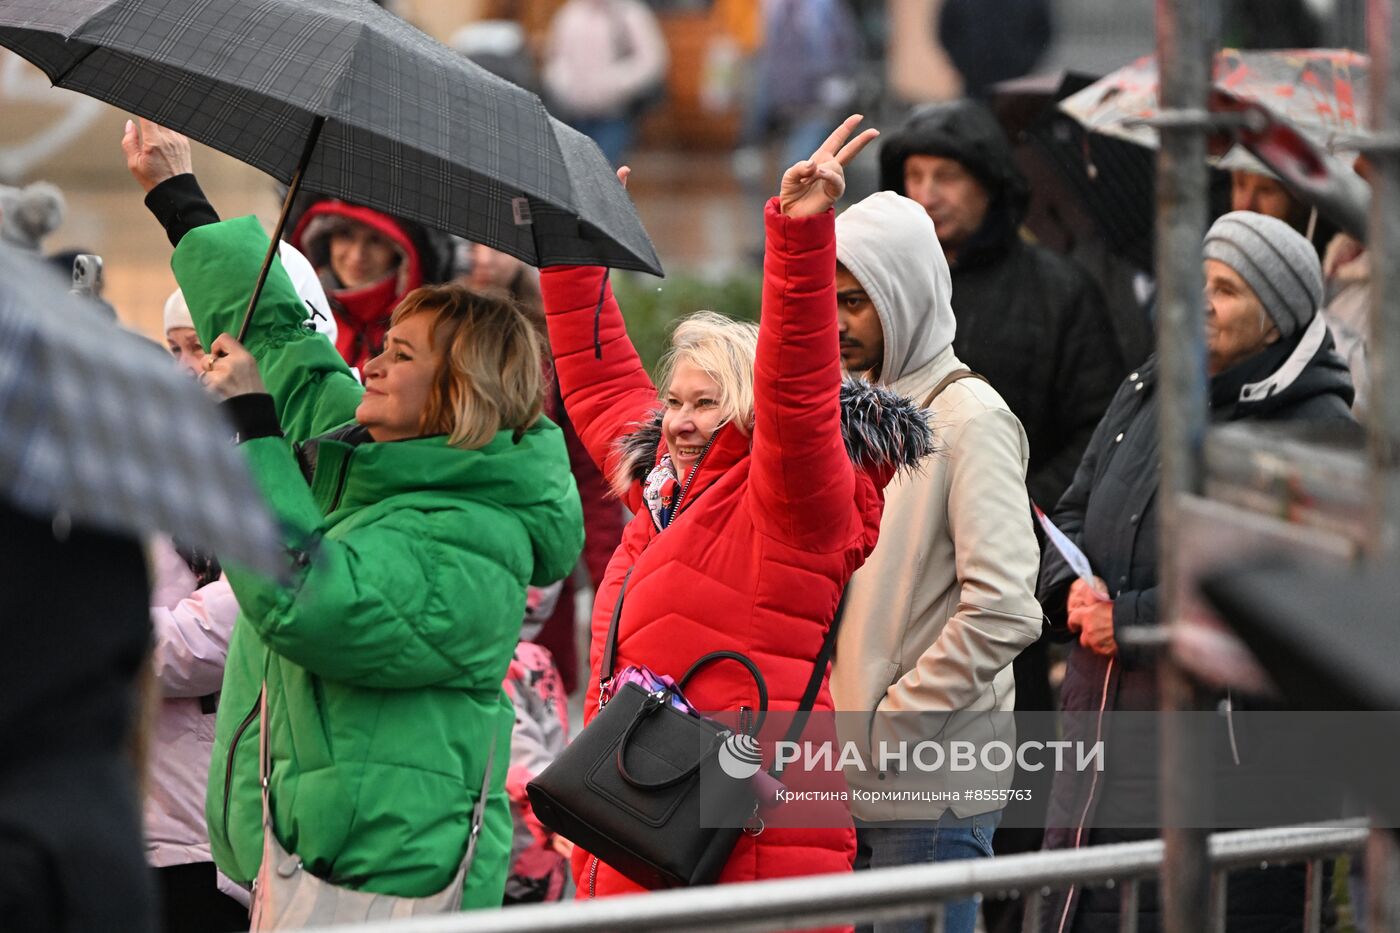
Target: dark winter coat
[(1110, 512), (1029, 320), (766, 531), (70, 821)]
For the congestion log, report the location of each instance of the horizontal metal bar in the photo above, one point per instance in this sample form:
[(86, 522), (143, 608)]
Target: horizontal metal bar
[(884, 894), (1144, 636)]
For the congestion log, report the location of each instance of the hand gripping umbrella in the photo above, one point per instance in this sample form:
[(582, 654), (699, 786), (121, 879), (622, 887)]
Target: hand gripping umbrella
[(351, 101)]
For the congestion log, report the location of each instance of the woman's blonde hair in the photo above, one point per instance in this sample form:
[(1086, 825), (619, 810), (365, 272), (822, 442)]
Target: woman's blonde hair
[(724, 349), (491, 373)]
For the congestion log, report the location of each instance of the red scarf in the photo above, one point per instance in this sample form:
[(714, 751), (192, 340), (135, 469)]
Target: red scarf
[(362, 318)]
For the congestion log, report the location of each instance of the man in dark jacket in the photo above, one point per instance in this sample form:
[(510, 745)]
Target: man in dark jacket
[(1270, 358), (1029, 320)]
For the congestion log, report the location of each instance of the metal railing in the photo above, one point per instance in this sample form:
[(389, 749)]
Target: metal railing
[(911, 891)]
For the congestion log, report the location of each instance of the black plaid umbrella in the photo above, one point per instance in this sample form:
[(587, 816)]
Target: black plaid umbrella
[(101, 428), (352, 101)]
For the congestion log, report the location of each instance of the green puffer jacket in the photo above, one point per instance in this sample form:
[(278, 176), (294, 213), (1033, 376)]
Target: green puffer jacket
[(384, 655)]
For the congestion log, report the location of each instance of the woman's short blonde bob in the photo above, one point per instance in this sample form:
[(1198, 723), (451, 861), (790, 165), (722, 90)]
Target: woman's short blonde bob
[(725, 350), (490, 376)]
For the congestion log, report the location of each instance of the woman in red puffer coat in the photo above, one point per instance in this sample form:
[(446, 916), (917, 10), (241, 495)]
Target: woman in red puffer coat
[(751, 510)]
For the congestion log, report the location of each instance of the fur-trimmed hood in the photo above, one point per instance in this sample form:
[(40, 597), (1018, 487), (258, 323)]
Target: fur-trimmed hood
[(883, 431)]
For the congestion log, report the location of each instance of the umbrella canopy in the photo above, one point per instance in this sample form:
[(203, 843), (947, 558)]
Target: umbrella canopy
[(1091, 184), (1323, 92), (101, 428), (399, 122)]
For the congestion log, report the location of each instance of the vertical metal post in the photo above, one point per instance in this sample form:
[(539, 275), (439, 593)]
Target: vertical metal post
[(1128, 906), (1184, 49), (938, 919), (1312, 904), (1382, 882), (1383, 357), (1219, 900), (1383, 242)]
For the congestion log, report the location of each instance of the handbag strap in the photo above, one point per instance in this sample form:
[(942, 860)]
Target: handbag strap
[(605, 672), (814, 683), (948, 380), (265, 772)]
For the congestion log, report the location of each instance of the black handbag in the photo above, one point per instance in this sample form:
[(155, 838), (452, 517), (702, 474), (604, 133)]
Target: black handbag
[(641, 787)]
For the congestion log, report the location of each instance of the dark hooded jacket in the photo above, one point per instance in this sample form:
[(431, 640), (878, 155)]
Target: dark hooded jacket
[(1110, 512), (1029, 320)]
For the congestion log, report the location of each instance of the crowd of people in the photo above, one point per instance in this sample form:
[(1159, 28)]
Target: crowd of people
[(456, 444)]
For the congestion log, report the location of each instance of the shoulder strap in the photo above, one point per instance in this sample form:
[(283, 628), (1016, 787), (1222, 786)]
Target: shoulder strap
[(479, 811), (948, 380), (814, 683), (809, 695), (605, 672)]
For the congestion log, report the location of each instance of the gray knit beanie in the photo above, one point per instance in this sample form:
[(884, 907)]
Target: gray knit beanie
[(1275, 260)]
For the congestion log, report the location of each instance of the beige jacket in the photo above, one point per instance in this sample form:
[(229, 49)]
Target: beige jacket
[(947, 600)]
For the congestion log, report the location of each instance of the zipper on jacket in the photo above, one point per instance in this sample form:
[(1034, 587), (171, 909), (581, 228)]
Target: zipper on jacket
[(593, 878), (233, 747), (746, 720), (690, 478), (340, 483)]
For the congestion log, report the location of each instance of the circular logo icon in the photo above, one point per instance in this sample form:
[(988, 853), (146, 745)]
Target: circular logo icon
[(740, 757)]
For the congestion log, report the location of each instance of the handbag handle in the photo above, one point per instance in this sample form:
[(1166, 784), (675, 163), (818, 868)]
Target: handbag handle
[(711, 658), (809, 695), (649, 706)]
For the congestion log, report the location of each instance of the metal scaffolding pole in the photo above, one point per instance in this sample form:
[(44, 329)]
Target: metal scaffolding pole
[(1184, 48), (1383, 357)]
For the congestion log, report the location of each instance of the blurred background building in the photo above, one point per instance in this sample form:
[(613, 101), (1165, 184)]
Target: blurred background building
[(712, 135)]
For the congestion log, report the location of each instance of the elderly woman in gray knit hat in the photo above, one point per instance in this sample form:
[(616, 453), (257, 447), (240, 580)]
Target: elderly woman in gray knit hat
[(1270, 358)]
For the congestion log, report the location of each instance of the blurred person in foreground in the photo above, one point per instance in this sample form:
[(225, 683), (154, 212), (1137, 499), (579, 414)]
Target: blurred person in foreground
[(751, 510), (417, 509), (946, 602), (1270, 358), (77, 630), (489, 271), (604, 66)]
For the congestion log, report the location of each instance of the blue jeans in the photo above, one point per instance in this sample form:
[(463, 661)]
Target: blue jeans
[(952, 837)]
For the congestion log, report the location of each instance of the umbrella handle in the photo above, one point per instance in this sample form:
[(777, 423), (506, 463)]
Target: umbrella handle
[(292, 190)]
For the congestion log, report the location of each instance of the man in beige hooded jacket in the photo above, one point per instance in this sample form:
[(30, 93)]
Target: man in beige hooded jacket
[(947, 600)]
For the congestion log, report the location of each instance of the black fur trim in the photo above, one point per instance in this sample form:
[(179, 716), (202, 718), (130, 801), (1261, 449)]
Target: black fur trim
[(879, 426)]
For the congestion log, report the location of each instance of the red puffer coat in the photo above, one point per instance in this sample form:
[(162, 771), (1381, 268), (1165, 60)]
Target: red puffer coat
[(770, 529)]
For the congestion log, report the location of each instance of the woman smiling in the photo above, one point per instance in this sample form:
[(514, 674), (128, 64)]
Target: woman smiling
[(756, 485), (416, 511)]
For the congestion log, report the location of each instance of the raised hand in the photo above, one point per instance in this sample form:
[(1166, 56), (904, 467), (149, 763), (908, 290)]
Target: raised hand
[(230, 370), (154, 154), (813, 185)]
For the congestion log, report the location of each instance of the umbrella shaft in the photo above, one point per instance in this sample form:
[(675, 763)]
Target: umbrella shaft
[(292, 190)]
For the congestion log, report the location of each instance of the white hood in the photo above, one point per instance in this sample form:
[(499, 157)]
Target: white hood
[(888, 243)]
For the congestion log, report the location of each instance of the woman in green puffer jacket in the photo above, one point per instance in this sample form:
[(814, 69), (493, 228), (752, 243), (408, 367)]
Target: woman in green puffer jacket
[(416, 510)]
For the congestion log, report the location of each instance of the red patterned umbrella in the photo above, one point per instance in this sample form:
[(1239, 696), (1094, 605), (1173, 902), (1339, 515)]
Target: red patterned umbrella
[(1321, 92)]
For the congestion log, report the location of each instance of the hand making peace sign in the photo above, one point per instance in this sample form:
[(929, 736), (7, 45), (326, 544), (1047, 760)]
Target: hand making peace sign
[(813, 185)]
